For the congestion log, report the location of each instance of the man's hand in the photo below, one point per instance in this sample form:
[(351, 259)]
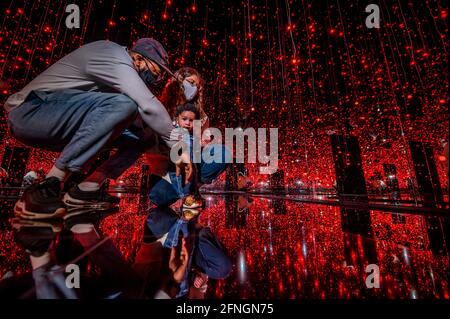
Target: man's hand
[(185, 168)]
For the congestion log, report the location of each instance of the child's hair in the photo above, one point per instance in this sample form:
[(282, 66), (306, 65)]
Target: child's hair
[(188, 107)]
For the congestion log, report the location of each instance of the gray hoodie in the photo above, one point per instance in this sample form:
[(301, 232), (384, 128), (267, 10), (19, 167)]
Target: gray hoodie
[(101, 66)]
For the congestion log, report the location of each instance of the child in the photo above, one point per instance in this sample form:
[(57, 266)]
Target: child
[(165, 191), (185, 116)]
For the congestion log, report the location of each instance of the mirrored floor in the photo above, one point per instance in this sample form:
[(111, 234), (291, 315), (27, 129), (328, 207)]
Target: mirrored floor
[(255, 247)]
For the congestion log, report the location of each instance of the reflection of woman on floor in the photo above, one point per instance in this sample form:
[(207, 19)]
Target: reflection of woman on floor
[(178, 256)]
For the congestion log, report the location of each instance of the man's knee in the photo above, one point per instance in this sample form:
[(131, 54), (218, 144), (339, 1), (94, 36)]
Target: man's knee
[(125, 105)]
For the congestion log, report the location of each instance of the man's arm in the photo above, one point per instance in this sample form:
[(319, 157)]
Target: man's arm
[(123, 78)]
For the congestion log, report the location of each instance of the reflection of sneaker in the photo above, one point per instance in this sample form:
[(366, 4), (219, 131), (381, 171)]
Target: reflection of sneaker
[(35, 237), (201, 282), (41, 201), (191, 202), (54, 224), (75, 198), (243, 203), (243, 182), (188, 214), (86, 216)]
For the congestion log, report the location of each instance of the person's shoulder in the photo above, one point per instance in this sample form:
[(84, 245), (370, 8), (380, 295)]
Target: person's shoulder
[(104, 44), (108, 50)]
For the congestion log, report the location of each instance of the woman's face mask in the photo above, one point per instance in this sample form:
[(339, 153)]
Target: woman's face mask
[(190, 90)]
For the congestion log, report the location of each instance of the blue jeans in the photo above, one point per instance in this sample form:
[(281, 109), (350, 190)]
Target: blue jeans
[(164, 193), (130, 145), (76, 123)]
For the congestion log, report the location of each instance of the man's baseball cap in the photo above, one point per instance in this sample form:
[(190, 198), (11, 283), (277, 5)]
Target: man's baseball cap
[(152, 50)]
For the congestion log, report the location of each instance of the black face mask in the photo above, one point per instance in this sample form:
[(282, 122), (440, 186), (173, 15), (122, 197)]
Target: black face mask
[(148, 78)]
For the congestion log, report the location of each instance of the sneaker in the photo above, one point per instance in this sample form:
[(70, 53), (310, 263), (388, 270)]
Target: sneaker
[(192, 202), (75, 198), (41, 201)]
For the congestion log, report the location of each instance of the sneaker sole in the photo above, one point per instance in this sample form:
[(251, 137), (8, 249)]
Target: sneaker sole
[(22, 212), (18, 223), (73, 203)]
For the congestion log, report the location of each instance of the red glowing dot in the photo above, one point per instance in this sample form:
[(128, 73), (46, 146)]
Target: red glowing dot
[(409, 97), (443, 14), (442, 101), (164, 16), (111, 23), (8, 11), (442, 158), (5, 92), (332, 31), (194, 8), (19, 11)]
